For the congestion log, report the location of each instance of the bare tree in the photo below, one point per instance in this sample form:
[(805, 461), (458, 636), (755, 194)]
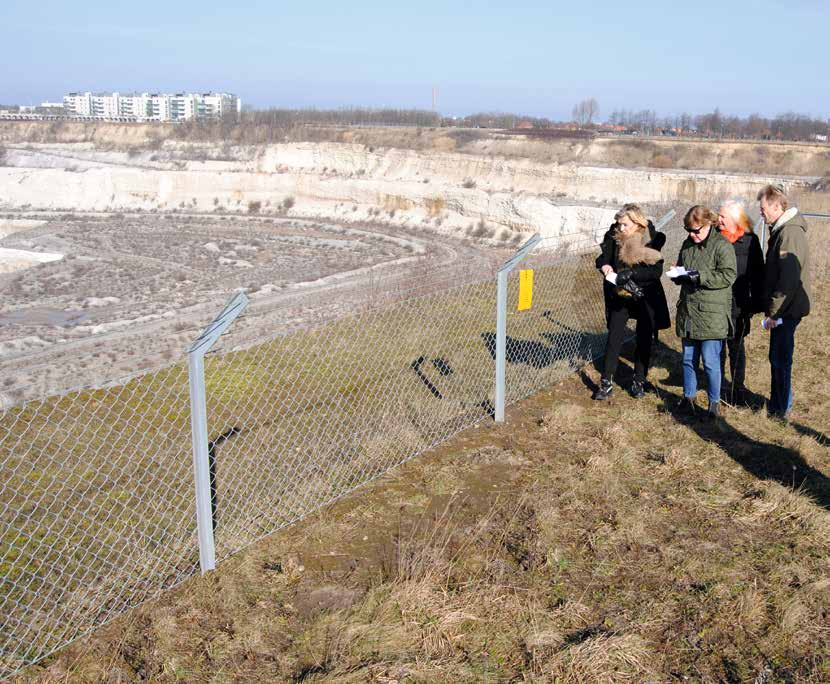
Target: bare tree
[(591, 109), (584, 113)]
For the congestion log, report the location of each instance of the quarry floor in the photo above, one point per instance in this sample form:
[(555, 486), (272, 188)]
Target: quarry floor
[(130, 291)]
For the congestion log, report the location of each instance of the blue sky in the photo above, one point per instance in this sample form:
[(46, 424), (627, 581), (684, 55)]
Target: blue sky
[(537, 58)]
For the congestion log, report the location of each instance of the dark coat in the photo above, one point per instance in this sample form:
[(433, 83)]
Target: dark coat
[(748, 289), (787, 276), (654, 303), (704, 311)]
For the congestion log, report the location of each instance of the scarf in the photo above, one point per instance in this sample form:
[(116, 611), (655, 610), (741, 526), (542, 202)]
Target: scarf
[(733, 235)]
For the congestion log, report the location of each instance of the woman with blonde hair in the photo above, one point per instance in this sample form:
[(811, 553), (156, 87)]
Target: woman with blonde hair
[(707, 271), (747, 292), (632, 265)]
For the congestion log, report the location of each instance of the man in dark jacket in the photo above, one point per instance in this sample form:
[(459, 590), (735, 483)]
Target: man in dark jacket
[(786, 291)]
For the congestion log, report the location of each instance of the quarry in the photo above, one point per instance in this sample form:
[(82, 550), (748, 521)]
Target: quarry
[(113, 255)]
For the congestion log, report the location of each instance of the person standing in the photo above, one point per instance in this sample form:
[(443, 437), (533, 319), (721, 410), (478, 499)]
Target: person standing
[(747, 293), (703, 310), (630, 257), (786, 291)]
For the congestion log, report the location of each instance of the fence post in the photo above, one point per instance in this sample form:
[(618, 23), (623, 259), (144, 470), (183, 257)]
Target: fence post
[(762, 226), (668, 216), (198, 425), (501, 320)]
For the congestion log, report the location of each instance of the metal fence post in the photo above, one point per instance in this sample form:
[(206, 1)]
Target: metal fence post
[(668, 216), (501, 342), (198, 424), (762, 226), (201, 466), (501, 321)]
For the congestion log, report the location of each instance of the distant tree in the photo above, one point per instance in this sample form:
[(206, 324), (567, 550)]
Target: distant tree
[(584, 112), (756, 126), (591, 109)]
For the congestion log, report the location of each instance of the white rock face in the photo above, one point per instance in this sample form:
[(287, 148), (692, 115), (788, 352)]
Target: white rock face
[(12, 260), (348, 182)]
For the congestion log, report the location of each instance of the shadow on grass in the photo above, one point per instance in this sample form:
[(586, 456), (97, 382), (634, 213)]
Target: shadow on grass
[(807, 431), (763, 460), (663, 356), (563, 346)]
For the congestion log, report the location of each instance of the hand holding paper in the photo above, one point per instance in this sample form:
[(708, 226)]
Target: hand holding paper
[(676, 272), (777, 321), (611, 277)]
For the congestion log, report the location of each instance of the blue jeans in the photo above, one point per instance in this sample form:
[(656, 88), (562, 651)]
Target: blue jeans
[(710, 351), (781, 350)]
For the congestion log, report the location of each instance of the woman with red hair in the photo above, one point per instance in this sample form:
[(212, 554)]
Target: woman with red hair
[(747, 292)]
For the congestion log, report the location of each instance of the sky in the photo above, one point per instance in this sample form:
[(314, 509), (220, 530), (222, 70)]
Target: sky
[(534, 58)]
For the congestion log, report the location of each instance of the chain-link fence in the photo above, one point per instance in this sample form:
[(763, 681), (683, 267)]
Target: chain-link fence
[(97, 506)]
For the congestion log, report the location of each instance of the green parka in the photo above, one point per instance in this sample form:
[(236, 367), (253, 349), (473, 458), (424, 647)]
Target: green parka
[(703, 312)]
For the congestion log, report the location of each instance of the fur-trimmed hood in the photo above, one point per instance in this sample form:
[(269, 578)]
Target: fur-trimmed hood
[(633, 250)]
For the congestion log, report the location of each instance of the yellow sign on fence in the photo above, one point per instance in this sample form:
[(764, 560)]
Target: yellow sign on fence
[(525, 289)]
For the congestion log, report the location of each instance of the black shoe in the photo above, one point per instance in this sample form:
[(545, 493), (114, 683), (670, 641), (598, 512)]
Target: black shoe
[(604, 391), (685, 408), (714, 410), (638, 390)]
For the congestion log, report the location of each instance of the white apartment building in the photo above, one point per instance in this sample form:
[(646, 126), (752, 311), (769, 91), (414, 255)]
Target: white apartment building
[(152, 106)]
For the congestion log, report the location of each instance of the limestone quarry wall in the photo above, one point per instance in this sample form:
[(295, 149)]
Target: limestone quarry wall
[(498, 197), (746, 156)]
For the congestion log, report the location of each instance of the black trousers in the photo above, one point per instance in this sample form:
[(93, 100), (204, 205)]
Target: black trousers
[(736, 351), (617, 320)]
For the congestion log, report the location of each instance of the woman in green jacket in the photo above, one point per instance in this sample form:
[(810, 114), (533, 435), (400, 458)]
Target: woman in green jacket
[(703, 318)]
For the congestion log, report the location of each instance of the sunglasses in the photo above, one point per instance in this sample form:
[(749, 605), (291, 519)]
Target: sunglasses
[(695, 231)]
